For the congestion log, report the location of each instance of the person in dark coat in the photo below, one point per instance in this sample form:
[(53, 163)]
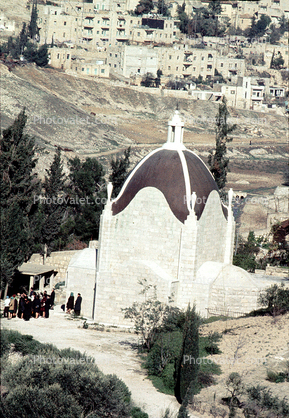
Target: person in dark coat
[(77, 306), (27, 310), (36, 306), (21, 306), (42, 306), (47, 306), (15, 306), (52, 297), (70, 303)]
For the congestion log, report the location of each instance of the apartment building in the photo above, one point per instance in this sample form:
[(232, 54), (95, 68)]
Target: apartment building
[(86, 24), (80, 61)]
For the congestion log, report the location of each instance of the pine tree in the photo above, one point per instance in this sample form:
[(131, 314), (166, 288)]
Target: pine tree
[(218, 162), (119, 173), (19, 190), (53, 207), (187, 365)]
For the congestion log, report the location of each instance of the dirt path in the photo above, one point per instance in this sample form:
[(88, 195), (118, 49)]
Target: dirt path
[(113, 353)]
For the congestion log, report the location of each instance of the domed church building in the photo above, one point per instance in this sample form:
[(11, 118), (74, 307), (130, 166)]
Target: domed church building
[(169, 228)]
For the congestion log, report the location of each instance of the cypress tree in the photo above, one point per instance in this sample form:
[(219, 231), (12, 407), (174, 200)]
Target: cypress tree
[(19, 190), (119, 167), (86, 191), (187, 367), (53, 207), (218, 162), (32, 27)]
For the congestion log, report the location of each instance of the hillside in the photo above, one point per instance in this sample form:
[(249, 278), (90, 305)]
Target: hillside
[(89, 117)]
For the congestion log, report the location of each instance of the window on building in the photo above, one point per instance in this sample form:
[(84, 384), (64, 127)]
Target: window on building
[(114, 65), (63, 34), (138, 70), (210, 56), (222, 65), (169, 67), (82, 69), (178, 57), (102, 71), (115, 55), (194, 68), (245, 95), (87, 71), (170, 57), (138, 34), (177, 68), (202, 58), (55, 13), (58, 56), (64, 23), (109, 64), (54, 22), (209, 67), (195, 58), (67, 56), (95, 71), (236, 65)]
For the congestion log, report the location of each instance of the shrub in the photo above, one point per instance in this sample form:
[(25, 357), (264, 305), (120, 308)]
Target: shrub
[(24, 344), (211, 346), (275, 298), (164, 351), (79, 383), (137, 413), (32, 402), (261, 403)]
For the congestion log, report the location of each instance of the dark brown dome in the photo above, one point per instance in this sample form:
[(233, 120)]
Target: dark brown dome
[(177, 173)]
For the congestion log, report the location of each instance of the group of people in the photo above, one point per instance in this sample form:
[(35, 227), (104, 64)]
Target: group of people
[(70, 305), (25, 306)]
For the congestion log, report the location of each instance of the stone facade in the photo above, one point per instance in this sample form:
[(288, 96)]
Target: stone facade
[(59, 260)]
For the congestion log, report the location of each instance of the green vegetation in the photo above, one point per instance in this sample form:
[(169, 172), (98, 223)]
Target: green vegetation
[(54, 383), (218, 162), (186, 373), (18, 186), (119, 171), (171, 349), (245, 256), (25, 43), (263, 404), (144, 7), (60, 212), (275, 299)]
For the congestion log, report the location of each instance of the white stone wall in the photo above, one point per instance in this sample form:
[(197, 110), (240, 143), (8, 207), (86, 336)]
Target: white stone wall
[(140, 242), (212, 231)]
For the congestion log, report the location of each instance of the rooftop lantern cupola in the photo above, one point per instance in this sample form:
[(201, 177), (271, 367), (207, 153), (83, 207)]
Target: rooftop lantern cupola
[(175, 133)]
